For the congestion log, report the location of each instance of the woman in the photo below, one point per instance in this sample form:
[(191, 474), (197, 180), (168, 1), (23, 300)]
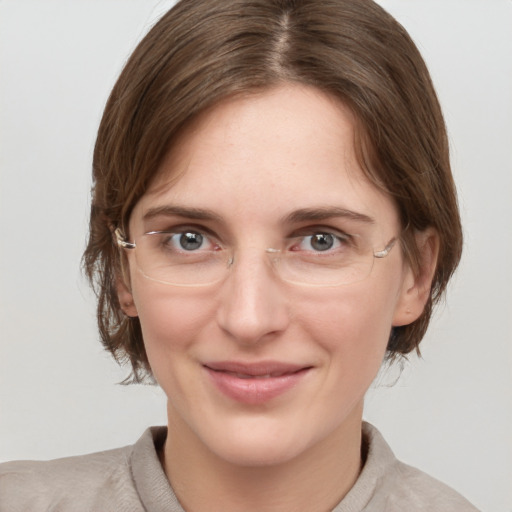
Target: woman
[(273, 215)]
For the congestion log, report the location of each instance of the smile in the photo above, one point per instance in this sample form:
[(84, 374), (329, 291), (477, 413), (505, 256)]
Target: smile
[(266, 376), (254, 384)]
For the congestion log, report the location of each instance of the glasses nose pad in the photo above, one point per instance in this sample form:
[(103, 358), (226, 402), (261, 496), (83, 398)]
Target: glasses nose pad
[(231, 259), (274, 257), (274, 254)]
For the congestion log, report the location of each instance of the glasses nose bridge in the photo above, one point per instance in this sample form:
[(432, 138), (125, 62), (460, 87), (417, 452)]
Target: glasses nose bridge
[(254, 256)]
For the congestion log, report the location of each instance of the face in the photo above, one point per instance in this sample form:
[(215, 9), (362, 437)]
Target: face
[(258, 370)]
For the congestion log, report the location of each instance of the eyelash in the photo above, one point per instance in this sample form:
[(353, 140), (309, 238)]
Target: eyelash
[(339, 236), (310, 231), (183, 229)]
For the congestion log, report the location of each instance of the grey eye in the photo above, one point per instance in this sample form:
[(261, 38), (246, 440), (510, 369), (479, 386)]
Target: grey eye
[(191, 241), (322, 241)]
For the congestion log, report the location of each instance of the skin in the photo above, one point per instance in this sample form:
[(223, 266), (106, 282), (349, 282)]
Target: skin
[(253, 160)]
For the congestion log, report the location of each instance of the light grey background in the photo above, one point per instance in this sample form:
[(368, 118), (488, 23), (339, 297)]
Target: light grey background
[(450, 413)]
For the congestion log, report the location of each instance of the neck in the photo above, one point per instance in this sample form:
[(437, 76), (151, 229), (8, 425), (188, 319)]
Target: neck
[(316, 480)]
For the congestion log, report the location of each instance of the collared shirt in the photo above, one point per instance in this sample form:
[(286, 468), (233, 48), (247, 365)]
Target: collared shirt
[(131, 479)]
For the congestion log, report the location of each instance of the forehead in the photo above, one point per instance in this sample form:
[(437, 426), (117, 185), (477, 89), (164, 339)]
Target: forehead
[(266, 154)]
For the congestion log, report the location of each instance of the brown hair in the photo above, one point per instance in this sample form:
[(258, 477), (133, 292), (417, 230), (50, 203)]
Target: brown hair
[(202, 51)]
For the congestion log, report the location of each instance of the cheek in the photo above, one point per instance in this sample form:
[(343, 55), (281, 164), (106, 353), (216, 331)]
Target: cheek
[(170, 322), (351, 325)]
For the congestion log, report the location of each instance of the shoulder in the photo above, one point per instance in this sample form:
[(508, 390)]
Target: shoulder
[(80, 483), (398, 486), (412, 489)]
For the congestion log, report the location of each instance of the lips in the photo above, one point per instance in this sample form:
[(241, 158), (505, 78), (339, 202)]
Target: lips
[(255, 383), (265, 376)]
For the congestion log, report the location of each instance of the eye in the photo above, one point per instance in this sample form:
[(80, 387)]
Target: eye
[(186, 240), (191, 241), (320, 242)]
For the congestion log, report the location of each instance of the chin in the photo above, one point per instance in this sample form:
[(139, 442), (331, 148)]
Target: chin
[(259, 442), (259, 452)]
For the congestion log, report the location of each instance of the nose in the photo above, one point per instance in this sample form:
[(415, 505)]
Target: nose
[(253, 305)]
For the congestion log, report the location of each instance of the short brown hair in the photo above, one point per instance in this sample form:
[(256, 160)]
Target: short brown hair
[(203, 51)]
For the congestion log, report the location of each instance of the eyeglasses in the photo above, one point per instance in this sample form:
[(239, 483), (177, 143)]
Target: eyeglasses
[(188, 257)]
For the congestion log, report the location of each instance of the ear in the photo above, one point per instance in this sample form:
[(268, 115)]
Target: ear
[(125, 298), (416, 285)]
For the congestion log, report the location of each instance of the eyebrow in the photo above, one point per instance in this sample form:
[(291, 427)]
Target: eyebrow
[(301, 215), (181, 211), (327, 212)]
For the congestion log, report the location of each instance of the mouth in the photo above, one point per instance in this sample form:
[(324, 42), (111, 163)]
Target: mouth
[(255, 383), (259, 370), (264, 376)]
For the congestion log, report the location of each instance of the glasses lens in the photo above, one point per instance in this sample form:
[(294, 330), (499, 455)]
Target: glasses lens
[(345, 266), (184, 259), (180, 259)]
